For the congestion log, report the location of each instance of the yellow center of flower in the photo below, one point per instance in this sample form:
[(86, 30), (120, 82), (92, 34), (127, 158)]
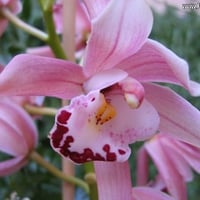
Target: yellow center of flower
[(105, 113)]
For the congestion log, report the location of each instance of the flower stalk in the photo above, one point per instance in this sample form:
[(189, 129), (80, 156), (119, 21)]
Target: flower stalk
[(90, 178), (36, 110), (5, 12), (53, 39), (56, 172)]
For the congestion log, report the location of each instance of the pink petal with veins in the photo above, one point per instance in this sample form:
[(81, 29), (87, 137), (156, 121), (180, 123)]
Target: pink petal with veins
[(156, 63), (42, 76), (10, 140), (104, 79), (173, 180), (120, 31), (11, 166), (176, 114), (113, 180), (94, 8), (20, 121)]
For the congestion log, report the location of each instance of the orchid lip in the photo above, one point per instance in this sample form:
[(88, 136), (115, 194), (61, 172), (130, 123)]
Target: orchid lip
[(82, 131)]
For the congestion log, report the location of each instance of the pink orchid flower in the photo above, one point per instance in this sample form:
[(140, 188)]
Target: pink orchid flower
[(114, 102), (14, 6), (18, 136), (174, 160)]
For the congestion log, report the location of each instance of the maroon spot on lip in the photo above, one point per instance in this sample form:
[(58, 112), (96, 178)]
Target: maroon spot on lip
[(93, 99), (76, 157), (87, 153), (121, 151), (106, 148), (58, 134), (98, 157), (111, 157), (63, 117), (64, 150)]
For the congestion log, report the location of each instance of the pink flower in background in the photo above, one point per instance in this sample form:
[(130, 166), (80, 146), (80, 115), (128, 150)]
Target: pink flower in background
[(113, 101), (82, 24), (14, 6), (18, 136), (174, 161)]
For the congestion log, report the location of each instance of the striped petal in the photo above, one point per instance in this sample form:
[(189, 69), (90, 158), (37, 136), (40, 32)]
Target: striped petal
[(178, 117), (30, 75), (119, 31)]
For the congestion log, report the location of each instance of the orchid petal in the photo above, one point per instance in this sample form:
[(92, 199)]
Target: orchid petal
[(142, 167), (93, 128), (113, 180), (176, 158), (94, 8), (160, 65), (20, 121), (158, 183), (11, 166), (117, 33), (11, 142), (41, 51), (83, 22), (178, 117), (190, 153), (174, 181), (36, 75), (146, 193), (104, 79), (57, 16)]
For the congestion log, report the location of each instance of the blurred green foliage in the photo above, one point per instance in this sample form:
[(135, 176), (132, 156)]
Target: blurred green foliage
[(181, 34)]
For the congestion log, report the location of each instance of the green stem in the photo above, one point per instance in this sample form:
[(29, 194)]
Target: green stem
[(53, 39), (22, 25), (56, 172), (36, 110)]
